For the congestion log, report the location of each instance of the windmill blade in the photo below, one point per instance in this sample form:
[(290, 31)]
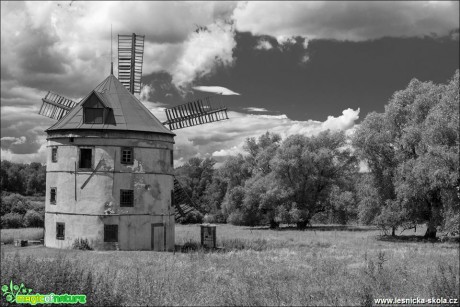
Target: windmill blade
[(183, 204), (56, 106), (130, 59), (194, 113)]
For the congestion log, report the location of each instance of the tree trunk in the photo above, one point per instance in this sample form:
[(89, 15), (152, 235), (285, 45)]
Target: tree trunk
[(274, 224), (393, 231), (302, 225), (430, 231), (435, 217)]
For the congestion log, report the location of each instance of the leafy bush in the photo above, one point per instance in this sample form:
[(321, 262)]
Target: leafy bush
[(190, 246), (81, 244), (14, 203), (246, 218), (218, 217), (236, 218), (12, 220), (33, 219), (193, 217)]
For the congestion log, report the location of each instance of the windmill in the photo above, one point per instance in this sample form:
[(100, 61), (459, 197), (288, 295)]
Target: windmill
[(130, 61)]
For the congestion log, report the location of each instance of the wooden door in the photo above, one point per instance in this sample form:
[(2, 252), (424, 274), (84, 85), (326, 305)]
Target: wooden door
[(158, 237)]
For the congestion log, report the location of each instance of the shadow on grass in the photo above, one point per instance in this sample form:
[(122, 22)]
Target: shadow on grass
[(224, 246), (418, 239), (317, 228)]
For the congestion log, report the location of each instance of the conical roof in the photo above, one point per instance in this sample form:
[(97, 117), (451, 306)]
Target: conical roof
[(125, 110)]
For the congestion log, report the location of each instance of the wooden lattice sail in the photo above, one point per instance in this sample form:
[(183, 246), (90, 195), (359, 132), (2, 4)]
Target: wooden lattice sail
[(183, 204), (56, 106), (130, 58), (194, 113)]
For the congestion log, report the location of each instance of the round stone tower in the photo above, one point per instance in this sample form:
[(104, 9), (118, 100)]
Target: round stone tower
[(109, 175)]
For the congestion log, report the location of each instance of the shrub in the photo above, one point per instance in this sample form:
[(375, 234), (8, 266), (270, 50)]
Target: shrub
[(33, 219), (190, 246), (81, 244), (218, 217), (246, 218), (236, 218), (193, 217), (14, 203), (12, 220), (282, 215), (38, 206), (19, 204)]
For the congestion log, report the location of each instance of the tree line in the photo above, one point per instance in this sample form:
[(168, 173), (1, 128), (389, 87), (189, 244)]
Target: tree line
[(24, 179), (411, 152)]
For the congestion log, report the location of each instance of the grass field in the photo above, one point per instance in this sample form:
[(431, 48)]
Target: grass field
[(325, 265), (9, 235)]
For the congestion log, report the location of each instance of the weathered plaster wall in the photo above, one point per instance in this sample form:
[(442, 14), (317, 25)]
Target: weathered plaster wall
[(85, 197), (134, 231)]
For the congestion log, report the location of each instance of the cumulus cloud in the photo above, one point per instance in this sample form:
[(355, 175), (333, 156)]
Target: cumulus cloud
[(263, 44), (347, 20), (285, 40), (305, 58), (215, 89), (146, 89), (39, 156), (343, 122), (202, 52), (253, 109)]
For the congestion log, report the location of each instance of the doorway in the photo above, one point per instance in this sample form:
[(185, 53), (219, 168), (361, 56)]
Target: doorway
[(158, 237)]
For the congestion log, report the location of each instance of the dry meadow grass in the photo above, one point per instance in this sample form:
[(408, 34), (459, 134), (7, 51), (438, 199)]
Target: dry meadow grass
[(329, 265)]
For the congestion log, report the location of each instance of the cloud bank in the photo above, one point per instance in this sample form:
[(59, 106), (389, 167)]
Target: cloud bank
[(346, 20)]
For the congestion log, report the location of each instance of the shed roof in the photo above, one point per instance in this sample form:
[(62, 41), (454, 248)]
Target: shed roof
[(128, 112)]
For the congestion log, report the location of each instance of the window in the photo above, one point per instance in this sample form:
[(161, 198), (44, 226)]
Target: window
[(93, 115), (171, 155), (126, 155), (60, 231), (110, 233), (53, 196), (126, 198), (86, 158), (53, 154)]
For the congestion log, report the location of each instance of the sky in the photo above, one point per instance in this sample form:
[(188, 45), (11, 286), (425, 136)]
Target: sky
[(299, 67)]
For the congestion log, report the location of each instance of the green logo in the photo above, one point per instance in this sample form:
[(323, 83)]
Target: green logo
[(19, 294)]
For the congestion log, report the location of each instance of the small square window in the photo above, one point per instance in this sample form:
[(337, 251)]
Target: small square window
[(60, 231), (93, 115), (127, 155), (126, 198), (86, 158), (54, 154), (110, 233), (53, 194)]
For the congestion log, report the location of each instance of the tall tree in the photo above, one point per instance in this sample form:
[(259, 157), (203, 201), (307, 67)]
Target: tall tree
[(309, 167), (373, 142), (412, 152), (195, 175)]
